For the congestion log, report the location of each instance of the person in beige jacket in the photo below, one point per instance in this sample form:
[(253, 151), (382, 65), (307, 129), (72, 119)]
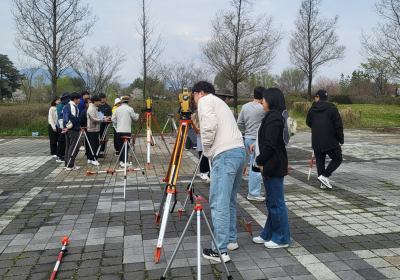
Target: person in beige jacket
[(93, 128)]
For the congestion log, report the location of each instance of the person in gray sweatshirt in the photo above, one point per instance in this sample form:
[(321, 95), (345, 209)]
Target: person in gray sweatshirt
[(250, 120)]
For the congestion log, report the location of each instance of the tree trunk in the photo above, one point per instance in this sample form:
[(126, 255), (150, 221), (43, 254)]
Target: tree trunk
[(144, 54), (54, 58), (1, 83), (235, 97), (309, 87)]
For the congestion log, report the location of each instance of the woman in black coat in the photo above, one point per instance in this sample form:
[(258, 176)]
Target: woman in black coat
[(273, 164)]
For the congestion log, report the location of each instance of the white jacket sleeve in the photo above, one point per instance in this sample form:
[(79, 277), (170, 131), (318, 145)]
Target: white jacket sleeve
[(134, 115), (51, 118), (114, 119), (208, 124)]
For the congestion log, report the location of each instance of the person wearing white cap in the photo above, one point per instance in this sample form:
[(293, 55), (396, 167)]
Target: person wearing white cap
[(117, 103)]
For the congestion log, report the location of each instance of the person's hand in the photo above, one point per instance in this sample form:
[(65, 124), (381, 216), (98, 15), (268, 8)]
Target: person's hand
[(261, 170), (55, 130), (252, 148), (340, 145)]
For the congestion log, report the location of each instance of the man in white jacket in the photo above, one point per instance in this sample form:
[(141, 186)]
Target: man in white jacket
[(122, 121), (223, 144)]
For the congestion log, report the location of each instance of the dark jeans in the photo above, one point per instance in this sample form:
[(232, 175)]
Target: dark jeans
[(116, 142), (71, 147), (61, 144), (53, 136), (204, 164), (121, 145), (335, 155), (94, 144)]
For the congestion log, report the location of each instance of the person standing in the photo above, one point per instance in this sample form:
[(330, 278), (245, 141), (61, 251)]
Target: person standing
[(250, 119), (93, 128), (223, 144), (61, 136), (122, 121), (53, 120), (81, 107), (105, 109), (83, 123), (273, 163), (326, 135), (117, 103), (71, 129)]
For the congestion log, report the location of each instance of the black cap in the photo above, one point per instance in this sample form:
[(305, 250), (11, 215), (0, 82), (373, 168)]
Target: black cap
[(65, 94), (224, 92), (102, 95), (321, 94)]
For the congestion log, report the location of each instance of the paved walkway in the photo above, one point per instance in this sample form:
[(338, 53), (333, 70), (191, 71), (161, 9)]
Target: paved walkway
[(349, 232)]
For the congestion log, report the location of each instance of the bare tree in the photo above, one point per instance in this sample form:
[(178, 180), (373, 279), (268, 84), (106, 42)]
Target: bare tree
[(384, 46), (51, 32), (291, 80), (99, 69), (240, 44), (28, 71), (151, 50), (314, 43)]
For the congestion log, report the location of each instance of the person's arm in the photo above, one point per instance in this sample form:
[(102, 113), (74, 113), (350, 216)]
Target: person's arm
[(91, 114), (309, 118), (114, 119), (338, 124), (51, 118), (208, 123), (271, 136), (134, 115), (66, 117), (240, 121)]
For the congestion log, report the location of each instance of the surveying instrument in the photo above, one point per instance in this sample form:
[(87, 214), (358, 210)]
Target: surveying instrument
[(148, 116), (173, 169), (126, 152), (83, 132), (198, 209)]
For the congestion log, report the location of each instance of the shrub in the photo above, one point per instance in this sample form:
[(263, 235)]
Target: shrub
[(302, 107), (340, 98), (348, 115)]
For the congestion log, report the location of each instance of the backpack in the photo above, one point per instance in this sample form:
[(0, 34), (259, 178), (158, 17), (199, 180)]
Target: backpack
[(289, 126)]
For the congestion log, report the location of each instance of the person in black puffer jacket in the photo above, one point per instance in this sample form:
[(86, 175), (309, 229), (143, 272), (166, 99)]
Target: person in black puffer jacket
[(273, 164), (327, 135)]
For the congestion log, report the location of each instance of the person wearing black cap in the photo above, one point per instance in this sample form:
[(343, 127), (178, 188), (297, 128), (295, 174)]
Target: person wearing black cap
[(326, 135), (106, 110)]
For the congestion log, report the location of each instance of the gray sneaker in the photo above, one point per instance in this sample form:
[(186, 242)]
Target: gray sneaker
[(325, 181), (255, 198)]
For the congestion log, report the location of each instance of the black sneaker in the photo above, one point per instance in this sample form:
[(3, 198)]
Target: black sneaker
[(209, 254)]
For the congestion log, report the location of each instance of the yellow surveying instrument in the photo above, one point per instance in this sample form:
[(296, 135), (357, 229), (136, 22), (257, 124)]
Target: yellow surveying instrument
[(148, 116), (173, 169)]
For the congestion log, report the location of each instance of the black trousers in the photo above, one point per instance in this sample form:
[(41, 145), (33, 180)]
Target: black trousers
[(121, 145), (60, 144), (204, 164), (116, 142), (335, 155), (94, 144), (53, 136), (71, 147), (104, 145)]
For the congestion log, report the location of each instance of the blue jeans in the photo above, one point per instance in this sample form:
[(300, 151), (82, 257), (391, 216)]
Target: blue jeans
[(277, 224), (254, 177), (226, 176)]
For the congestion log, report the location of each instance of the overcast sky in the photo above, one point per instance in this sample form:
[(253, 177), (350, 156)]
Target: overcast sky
[(184, 23)]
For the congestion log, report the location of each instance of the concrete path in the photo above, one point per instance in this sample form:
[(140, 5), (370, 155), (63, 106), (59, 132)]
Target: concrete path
[(350, 232)]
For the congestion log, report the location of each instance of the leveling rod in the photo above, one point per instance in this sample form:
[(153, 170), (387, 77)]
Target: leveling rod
[(89, 172)]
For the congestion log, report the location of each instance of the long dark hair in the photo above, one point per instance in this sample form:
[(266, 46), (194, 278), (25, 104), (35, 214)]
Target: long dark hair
[(53, 102), (275, 99)]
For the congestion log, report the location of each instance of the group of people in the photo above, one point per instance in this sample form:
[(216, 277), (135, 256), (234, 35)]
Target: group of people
[(76, 120), (223, 148), (263, 122)]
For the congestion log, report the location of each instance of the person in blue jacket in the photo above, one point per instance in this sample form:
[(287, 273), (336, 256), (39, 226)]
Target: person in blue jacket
[(61, 136), (71, 128)]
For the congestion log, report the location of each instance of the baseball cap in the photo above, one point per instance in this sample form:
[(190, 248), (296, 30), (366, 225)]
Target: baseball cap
[(321, 94), (125, 98)]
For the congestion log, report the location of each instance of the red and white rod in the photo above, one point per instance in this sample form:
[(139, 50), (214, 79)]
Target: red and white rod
[(311, 164), (63, 251)]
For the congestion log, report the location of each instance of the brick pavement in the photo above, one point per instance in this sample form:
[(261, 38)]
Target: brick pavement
[(349, 232)]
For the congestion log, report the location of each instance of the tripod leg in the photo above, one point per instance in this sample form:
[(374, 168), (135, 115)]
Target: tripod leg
[(198, 245), (125, 151), (216, 246), (141, 169), (148, 139), (165, 125), (73, 151), (115, 167), (177, 246), (91, 150), (101, 141), (163, 227), (191, 183), (162, 136), (139, 128)]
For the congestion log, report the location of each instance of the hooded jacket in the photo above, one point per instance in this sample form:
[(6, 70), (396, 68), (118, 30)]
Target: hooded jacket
[(273, 156), (60, 107), (326, 126), (71, 116)]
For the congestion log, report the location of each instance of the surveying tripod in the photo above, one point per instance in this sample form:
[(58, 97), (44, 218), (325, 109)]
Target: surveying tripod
[(82, 132), (173, 124), (148, 116), (199, 210), (173, 170), (103, 140)]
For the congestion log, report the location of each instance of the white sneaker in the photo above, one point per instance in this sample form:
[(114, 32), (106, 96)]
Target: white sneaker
[(54, 155), (89, 161), (95, 162), (72, 168), (232, 246), (59, 160), (255, 198), (272, 245), (204, 176), (82, 148), (259, 240), (324, 180), (121, 163), (211, 255)]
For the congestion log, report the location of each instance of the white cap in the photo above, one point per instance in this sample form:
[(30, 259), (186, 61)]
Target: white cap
[(117, 100)]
